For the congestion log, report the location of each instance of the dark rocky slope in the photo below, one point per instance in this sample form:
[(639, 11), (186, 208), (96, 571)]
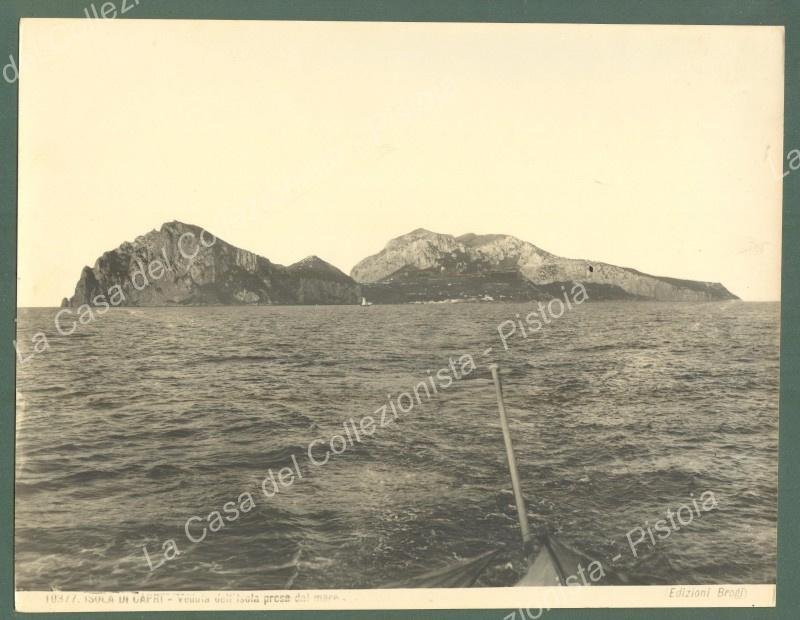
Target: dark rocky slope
[(161, 269)]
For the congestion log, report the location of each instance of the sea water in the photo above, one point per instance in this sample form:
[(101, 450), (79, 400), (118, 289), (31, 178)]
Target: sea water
[(144, 418)]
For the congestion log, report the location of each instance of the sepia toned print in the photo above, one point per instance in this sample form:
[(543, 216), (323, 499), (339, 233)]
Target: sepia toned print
[(393, 316)]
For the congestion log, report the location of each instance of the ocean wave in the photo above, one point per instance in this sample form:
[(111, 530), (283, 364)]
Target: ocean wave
[(200, 423), (234, 359), (165, 470)]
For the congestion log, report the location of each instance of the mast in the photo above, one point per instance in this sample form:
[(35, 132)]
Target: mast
[(522, 513)]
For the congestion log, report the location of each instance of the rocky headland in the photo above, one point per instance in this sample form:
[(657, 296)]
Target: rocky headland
[(428, 266), (183, 265)]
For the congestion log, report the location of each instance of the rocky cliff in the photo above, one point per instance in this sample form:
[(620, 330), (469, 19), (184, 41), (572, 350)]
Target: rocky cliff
[(427, 266), (181, 264)]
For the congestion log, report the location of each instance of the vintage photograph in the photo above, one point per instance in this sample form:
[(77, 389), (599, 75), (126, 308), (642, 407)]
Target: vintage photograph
[(339, 314)]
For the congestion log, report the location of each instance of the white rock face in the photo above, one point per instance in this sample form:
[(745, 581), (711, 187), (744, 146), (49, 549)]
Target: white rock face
[(505, 251), (421, 249), (469, 254)]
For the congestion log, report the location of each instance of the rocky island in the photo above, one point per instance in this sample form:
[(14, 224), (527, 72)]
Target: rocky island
[(428, 266), (182, 264)]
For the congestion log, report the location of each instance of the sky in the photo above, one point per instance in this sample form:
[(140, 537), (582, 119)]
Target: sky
[(653, 147)]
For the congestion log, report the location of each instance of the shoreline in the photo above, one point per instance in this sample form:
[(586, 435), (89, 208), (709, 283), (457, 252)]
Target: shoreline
[(417, 303)]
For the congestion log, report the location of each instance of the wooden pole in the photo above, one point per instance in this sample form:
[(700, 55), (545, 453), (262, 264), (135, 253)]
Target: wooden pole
[(512, 463)]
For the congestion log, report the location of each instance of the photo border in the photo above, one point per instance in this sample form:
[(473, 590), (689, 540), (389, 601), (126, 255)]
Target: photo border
[(743, 12)]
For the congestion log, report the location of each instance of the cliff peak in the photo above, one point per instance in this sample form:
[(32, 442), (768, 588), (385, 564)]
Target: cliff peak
[(177, 225), (423, 265), (160, 268), (419, 249), (418, 234), (311, 261)]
